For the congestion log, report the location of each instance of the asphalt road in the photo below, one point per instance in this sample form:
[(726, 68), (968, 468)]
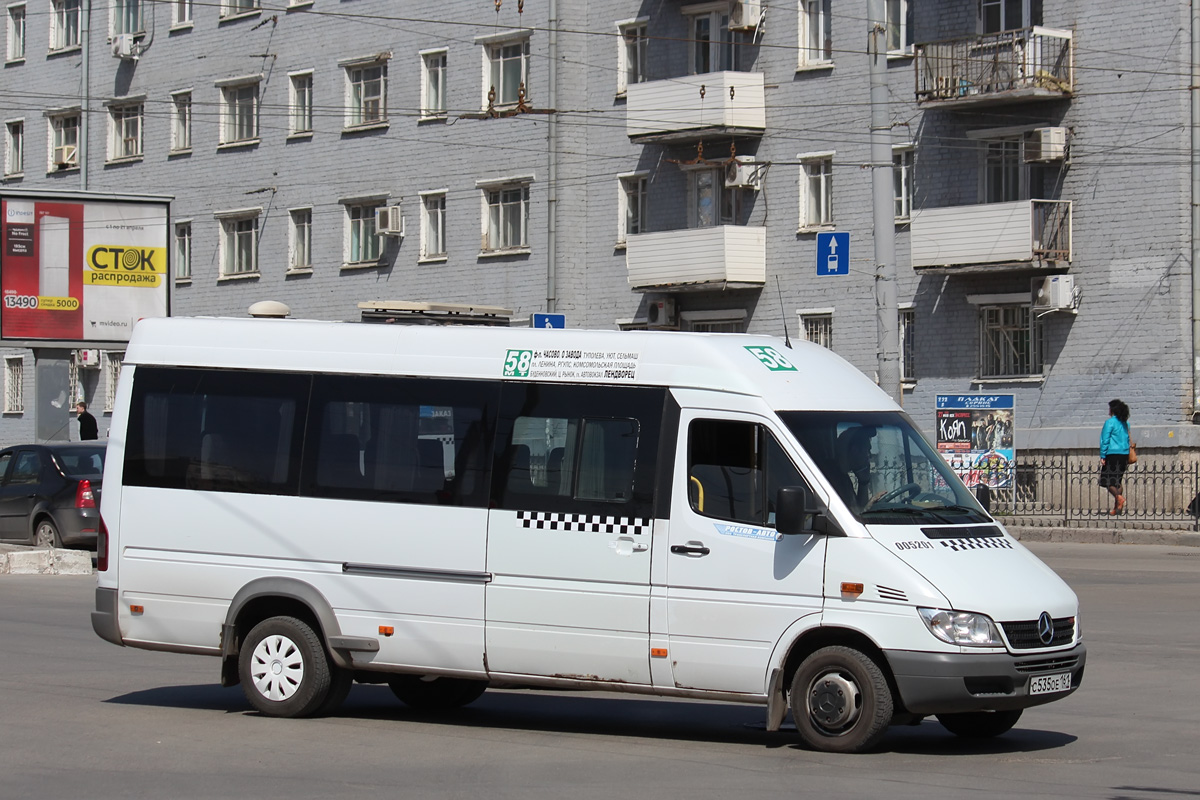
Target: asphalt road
[(80, 718)]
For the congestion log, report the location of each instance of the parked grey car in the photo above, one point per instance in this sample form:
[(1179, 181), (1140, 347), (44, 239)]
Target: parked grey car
[(50, 494)]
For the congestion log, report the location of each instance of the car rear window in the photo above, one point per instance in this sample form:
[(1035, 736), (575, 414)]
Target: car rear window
[(81, 462)]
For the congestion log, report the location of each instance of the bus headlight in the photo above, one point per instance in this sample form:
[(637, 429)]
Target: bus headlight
[(961, 627)]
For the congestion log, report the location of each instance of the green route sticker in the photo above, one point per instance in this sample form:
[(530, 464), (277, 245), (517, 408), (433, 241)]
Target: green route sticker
[(770, 358), (516, 363)]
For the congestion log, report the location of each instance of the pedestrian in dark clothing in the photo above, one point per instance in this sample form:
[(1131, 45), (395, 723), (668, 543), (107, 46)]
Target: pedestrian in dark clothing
[(87, 423)]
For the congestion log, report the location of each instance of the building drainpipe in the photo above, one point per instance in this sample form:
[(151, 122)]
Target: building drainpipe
[(552, 166), (1194, 89), (85, 27)]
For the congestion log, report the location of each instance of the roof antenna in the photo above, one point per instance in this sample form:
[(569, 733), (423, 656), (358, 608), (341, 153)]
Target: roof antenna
[(787, 340)]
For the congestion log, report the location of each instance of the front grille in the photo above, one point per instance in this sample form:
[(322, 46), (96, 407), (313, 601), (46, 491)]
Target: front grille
[(1047, 664), (1024, 635)]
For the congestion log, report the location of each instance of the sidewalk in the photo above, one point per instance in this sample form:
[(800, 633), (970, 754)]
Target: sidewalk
[(1105, 535)]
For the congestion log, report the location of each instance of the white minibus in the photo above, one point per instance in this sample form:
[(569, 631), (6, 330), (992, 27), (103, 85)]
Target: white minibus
[(715, 516)]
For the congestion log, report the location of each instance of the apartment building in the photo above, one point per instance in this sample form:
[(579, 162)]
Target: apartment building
[(656, 163)]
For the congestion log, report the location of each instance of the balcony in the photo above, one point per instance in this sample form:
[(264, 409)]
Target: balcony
[(724, 256), (1021, 234), (694, 107), (1014, 66)]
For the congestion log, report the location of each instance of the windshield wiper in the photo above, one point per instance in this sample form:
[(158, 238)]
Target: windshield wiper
[(960, 509)]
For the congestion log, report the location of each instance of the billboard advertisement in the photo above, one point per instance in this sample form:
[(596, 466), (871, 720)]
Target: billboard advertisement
[(80, 269), (975, 436)]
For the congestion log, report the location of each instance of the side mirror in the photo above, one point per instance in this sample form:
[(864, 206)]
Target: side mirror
[(792, 510)]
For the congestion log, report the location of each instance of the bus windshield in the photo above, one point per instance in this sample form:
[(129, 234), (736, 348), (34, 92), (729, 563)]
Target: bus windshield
[(883, 469)]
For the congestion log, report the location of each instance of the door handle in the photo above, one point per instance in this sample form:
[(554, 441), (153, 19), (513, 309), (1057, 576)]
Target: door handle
[(690, 549)]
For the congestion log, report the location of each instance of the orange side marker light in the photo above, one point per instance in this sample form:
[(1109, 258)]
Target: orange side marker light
[(658, 652), (386, 630), (136, 610), (852, 588)]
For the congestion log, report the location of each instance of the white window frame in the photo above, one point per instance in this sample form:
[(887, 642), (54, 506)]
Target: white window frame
[(362, 246), (14, 147), (632, 189), (433, 83), (632, 42), (183, 250), (239, 111), (17, 20), (113, 361), (903, 161), (126, 16), (366, 103), (62, 134), (125, 131), (433, 225), (816, 191), (724, 205), (14, 384), (1008, 153), (181, 14), (231, 9), (908, 344), (815, 46), (725, 320), (899, 27), (721, 51), (505, 205), (238, 253), (300, 224), (300, 102), (1000, 358), (65, 19), (816, 326), (1004, 24), (181, 121), (496, 62)]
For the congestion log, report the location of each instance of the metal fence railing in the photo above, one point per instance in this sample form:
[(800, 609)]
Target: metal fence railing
[(991, 64)]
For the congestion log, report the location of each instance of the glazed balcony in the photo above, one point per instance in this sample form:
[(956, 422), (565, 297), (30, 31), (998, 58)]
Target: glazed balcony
[(1021, 234), (1014, 66), (723, 256), (694, 107)]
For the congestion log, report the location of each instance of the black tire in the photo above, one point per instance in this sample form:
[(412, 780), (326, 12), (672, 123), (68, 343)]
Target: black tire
[(980, 724), (435, 694), (340, 683), (45, 534), (840, 699), (284, 669)]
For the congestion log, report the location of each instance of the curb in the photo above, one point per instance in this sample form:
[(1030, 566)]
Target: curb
[(1105, 536), (40, 561)]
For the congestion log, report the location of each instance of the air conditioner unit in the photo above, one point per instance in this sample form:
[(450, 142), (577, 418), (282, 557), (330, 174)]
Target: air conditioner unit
[(661, 313), (124, 46), (389, 221), (1046, 144), (88, 358), (1053, 293), (745, 15), (65, 156), (741, 175)]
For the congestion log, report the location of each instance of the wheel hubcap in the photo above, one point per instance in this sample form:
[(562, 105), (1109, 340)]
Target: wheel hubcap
[(834, 702), (277, 668), (44, 536)]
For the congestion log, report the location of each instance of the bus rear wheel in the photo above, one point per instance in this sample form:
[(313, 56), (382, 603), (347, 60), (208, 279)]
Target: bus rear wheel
[(284, 669)]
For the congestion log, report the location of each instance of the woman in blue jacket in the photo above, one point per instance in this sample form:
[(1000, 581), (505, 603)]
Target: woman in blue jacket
[(1114, 451)]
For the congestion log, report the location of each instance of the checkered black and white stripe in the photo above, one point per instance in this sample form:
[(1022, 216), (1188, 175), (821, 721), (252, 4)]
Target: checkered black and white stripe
[(586, 523), (989, 543)]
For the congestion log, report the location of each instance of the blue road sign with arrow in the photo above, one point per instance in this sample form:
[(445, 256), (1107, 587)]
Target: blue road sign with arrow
[(833, 253)]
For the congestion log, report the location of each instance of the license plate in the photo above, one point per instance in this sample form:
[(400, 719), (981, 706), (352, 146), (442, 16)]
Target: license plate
[(1045, 684)]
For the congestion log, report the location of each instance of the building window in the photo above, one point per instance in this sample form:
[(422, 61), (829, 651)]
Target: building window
[(1004, 171), (362, 242), (1010, 342), (433, 84), (181, 121), (302, 103), (64, 141), (183, 251), (816, 32), (902, 181), (507, 217), (631, 197), (232, 8), (717, 321), (818, 327), (631, 54), (300, 244), (816, 191), (239, 243), (1008, 15), (14, 385), (239, 113), (64, 24), (908, 345), (127, 16), (710, 201), (125, 132), (14, 148), (899, 26), (713, 46), (112, 374), (508, 72), (16, 32), (181, 12), (433, 225), (366, 100)]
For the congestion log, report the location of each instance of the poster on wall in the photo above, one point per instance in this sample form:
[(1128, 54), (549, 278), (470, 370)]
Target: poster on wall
[(80, 270), (975, 436)]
